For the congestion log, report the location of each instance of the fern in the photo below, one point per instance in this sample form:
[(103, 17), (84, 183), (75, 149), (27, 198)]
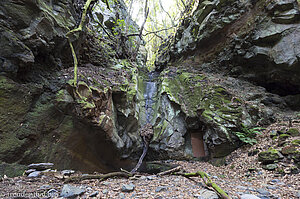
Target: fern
[(248, 134)]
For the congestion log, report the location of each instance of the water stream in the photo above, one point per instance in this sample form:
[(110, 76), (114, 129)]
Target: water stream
[(150, 95)]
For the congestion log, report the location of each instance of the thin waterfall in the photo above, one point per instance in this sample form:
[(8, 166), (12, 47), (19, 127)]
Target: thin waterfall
[(150, 95)]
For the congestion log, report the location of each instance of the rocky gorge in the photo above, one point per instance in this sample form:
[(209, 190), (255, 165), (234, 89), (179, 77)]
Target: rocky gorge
[(232, 66)]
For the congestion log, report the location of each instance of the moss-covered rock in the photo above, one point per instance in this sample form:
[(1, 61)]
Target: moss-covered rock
[(270, 167), (192, 101), (11, 170), (269, 156), (293, 132), (283, 137), (296, 142), (288, 150)]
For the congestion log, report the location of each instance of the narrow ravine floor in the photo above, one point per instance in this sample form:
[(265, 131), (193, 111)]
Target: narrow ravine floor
[(236, 178)]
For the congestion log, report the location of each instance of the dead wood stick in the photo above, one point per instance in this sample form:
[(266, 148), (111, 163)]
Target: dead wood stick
[(170, 171), (99, 176)]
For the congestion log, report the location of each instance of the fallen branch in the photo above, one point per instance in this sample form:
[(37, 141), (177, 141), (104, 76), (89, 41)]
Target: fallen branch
[(206, 179), (99, 176), (170, 171)]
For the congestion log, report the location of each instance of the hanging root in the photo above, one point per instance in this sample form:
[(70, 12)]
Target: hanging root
[(146, 134), (138, 165), (79, 29)]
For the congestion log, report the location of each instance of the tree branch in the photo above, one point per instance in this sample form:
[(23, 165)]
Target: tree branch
[(150, 32), (100, 176), (172, 21)]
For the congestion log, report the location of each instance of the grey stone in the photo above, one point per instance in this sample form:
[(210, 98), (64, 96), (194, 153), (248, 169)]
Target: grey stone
[(298, 194), (263, 192), (127, 187), (275, 180), (34, 174), (122, 196), (70, 191), (151, 177), (241, 187), (104, 191), (249, 196), (263, 197), (40, 166), (27, 172), (52, 193), (106, 183), (67, 172), (94, 194), (270, 167), (45, 187), (159, 189), (207, 194), (272, 187)]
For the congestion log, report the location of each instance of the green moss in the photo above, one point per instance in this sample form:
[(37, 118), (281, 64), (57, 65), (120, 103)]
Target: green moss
[(269, 156), (11, 170), (288, 150), (284, 136), (293, 132), (159, 129), (296, 142)]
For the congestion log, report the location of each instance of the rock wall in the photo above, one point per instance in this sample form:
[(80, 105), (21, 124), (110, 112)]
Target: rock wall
[(43, 117), (231, 66)]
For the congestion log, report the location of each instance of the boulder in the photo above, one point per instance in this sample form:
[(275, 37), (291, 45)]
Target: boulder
[(70, 191), (40, 166), (293, 132), (269, 156)]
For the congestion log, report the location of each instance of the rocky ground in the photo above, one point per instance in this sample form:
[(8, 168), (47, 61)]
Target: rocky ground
[(242, 176)]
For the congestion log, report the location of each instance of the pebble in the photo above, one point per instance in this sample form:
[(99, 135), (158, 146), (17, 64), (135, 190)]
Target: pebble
[(159, 189), (67, 172), (34, 174), (207, 194), (263, 197), (45, 187), (241, 187), (69, 191), (259, 173), (127, 187), (249, 196), (151, 177), (27, 172), (122, 196), (275, 180), (52, 193), (272, 187), (104, 191), (94, 194), (40, 166), (263, 192)]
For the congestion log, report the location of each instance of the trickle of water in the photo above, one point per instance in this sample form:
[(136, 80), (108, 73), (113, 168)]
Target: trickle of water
[(150, 95)]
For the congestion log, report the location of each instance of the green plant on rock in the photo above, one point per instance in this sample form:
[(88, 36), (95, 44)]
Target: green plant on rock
[(119, 26), (247, 135)]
